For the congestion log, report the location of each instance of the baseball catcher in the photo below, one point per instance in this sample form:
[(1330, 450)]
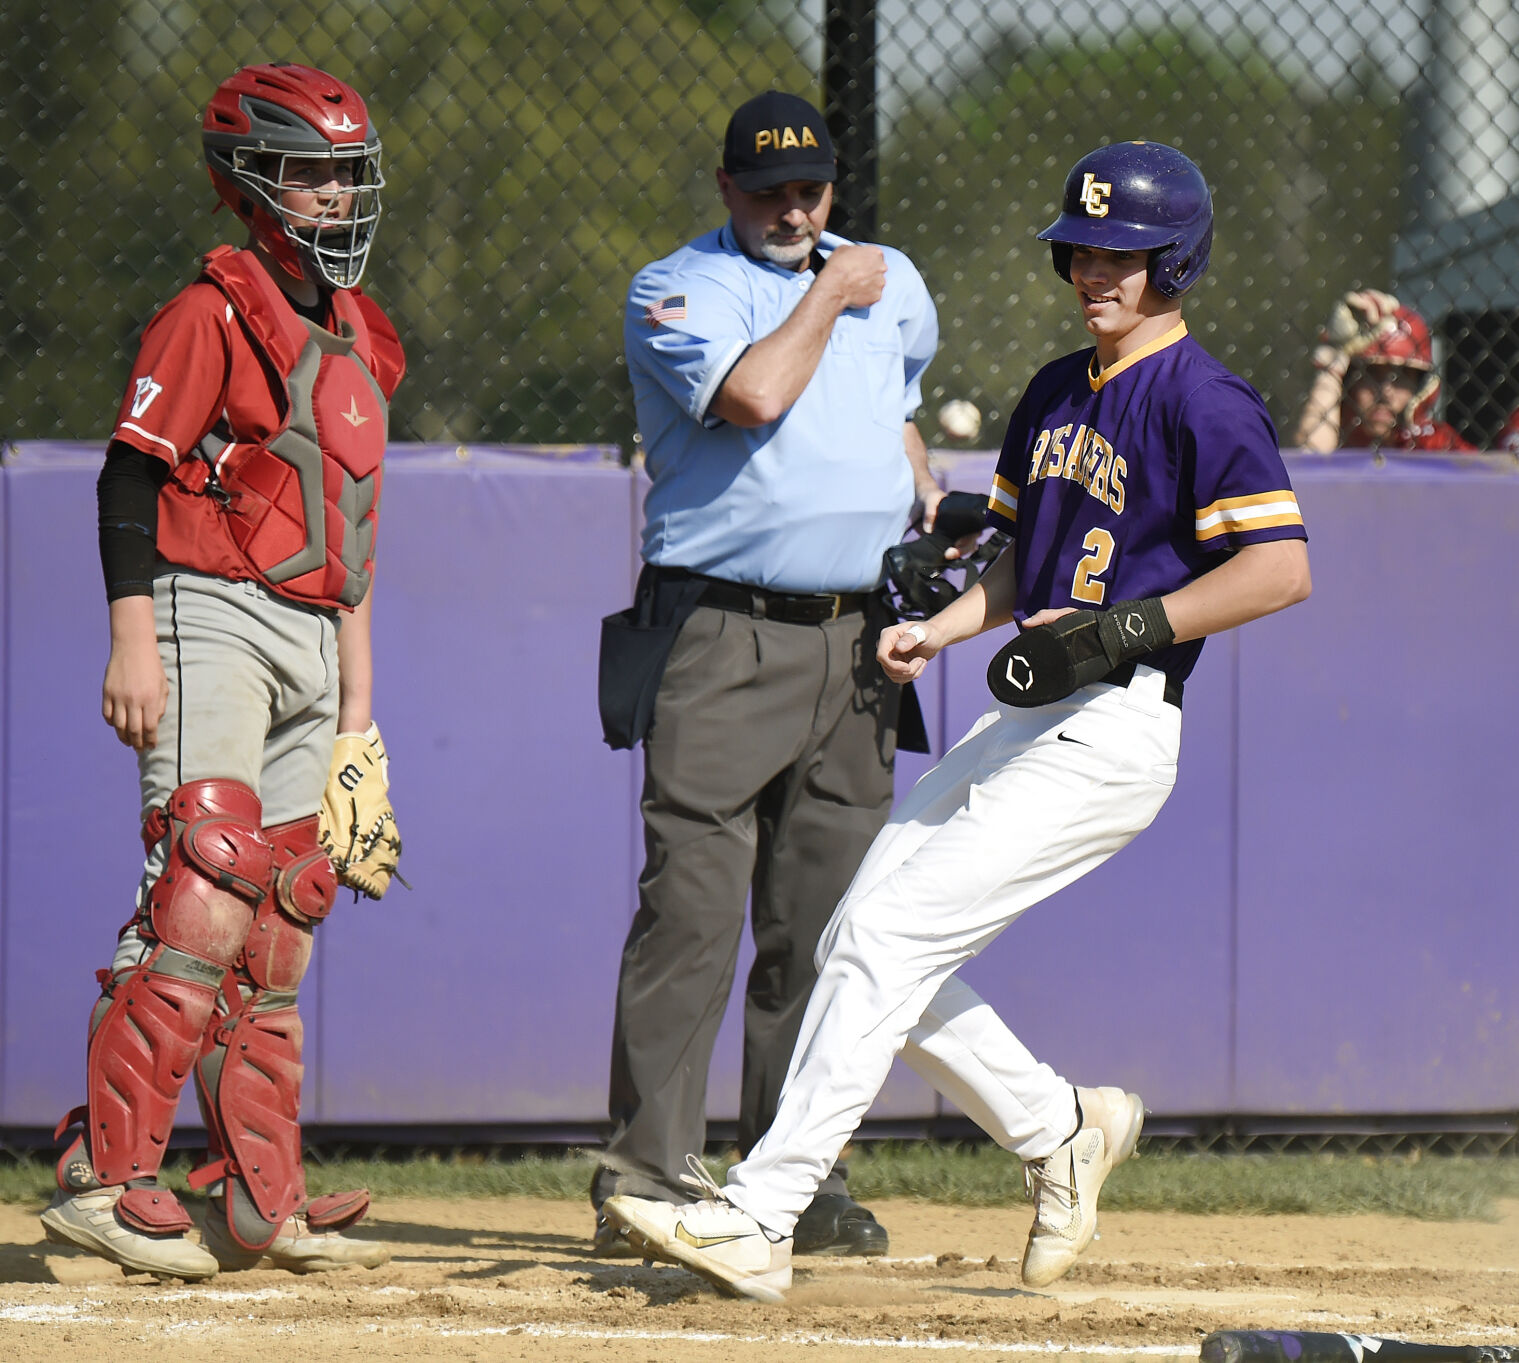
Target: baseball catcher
[(238, 505)]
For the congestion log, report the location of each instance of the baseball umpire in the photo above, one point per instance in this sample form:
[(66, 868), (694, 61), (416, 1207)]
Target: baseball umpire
[(238, 505), (1148, 506), (776, 371)]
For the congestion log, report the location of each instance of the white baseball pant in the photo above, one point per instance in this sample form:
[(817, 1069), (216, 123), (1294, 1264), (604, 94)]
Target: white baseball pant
[(1027, 802)]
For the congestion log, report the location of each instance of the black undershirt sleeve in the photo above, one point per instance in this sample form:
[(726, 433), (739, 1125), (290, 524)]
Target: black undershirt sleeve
[(127, 495)]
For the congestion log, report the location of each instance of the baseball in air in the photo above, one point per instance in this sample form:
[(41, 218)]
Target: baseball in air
[(960, 420)]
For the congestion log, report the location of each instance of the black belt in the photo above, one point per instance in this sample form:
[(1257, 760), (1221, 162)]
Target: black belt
[(789, 608), (1123, 674)]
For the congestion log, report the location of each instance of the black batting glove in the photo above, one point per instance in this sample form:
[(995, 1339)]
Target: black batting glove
[(1046, 663)]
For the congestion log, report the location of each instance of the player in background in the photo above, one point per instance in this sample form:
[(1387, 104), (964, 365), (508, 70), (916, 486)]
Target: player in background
[(237, 515), (1375, 385), (1149, 507)]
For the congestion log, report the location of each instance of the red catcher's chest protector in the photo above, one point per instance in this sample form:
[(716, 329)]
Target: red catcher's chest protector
[(296, 510)]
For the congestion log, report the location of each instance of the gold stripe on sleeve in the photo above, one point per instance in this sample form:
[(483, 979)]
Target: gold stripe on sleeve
[(1263, 511), (1004, 498)]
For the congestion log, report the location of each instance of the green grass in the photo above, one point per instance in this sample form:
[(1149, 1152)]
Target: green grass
[(1433, 1188)]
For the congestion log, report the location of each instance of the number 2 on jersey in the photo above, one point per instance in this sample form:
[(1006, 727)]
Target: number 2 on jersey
[(1084, 586)]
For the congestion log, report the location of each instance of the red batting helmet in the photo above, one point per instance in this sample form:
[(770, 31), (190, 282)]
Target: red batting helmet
[(261, 121), (1404, 342)]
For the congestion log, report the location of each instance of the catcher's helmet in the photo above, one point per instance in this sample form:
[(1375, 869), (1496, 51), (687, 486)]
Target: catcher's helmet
[(1404, 342), (1137, 196), (265, 118)]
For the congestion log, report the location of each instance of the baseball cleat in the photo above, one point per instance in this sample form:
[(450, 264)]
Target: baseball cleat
[(714, 1239), (89, 1221), (1064, 1185), (610, 1243), (297, 1248)]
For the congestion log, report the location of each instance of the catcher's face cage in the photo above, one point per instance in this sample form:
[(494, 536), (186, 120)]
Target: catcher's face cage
[(920, 580), (327, 246)]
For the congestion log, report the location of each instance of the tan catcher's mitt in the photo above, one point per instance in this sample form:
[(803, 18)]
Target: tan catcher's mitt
[(358, 826)]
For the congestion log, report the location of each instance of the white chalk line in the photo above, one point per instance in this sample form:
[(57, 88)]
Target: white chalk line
[(89, 1312), (794, 1337), (83, 1312)]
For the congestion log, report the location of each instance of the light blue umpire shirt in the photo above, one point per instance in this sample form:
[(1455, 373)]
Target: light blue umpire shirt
[(807, 503)]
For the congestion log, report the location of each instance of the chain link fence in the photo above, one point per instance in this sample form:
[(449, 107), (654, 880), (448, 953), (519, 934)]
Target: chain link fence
[(539, 151)]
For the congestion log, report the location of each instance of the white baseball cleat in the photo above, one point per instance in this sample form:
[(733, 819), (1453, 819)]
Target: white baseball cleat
[(297, 1248), (1064, 1186), (88, 1221), (712, 1238)]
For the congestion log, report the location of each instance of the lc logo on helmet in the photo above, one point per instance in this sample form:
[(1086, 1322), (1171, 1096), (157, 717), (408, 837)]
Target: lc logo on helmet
[(1094, 195)]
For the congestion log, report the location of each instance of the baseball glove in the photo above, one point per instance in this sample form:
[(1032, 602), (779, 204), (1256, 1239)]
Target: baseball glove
[(357, 825), (1358, 320)]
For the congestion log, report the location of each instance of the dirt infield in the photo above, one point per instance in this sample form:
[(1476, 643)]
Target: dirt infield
[(504, 1279)]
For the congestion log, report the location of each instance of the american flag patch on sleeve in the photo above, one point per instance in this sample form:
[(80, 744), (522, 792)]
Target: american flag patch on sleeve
[(671, 309)]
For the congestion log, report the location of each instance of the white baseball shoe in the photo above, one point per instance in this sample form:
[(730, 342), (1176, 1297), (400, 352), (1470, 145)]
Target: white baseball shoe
[(1064, 1186), (89, 1221), (712, 1238), (297, 1248)]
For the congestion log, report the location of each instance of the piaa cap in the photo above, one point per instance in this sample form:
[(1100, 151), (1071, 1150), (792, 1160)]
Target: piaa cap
[(776, 137)]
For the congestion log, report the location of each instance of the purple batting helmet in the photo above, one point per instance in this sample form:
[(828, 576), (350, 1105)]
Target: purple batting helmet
[(1137, 196)]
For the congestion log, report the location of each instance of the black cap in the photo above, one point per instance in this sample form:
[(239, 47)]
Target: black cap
[(774, 138)]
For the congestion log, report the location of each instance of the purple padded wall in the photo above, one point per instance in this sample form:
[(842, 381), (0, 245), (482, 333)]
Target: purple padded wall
[(485, 994), (1317, 922), (1378, 801), (69, 844)]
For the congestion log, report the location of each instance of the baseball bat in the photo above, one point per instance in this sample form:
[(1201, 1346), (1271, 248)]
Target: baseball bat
[(1294, 1346)]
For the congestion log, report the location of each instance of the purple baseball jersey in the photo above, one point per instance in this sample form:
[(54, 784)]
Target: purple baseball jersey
[(1130, 482)]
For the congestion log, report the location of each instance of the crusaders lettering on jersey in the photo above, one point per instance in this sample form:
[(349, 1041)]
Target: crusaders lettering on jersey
[(1084, 458), (147, 390)]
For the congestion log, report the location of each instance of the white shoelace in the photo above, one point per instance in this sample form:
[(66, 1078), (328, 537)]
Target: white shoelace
[(1039, 1183), (707, 1186), (702, 1181)]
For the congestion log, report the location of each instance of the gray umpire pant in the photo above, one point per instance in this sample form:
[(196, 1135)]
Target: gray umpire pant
[(768, 773)]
